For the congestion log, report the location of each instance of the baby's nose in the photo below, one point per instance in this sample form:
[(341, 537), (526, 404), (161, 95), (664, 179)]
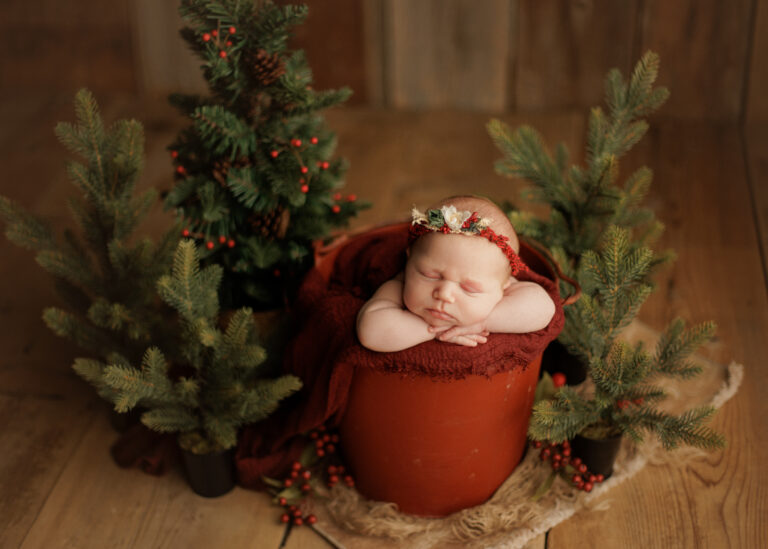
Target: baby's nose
[(443, 292)]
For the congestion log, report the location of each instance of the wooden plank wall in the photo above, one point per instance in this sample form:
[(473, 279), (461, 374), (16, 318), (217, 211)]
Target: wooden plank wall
[(495, 55), (54, 45)]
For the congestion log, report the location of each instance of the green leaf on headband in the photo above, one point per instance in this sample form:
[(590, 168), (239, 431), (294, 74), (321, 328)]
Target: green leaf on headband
[(435, 218)]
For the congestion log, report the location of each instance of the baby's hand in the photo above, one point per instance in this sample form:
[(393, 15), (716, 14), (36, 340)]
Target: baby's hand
[(469, 336)]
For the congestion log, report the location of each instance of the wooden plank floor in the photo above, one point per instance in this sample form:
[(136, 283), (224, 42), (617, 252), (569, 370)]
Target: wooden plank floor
[(59, 487)]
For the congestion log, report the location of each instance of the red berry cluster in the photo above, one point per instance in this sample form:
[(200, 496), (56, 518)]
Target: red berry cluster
[(219, 40), (569, 467), (336, 208), (210, 244), (297, 144), (325, 446)]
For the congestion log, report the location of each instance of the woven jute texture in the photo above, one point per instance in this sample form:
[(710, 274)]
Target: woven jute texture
[(510, 519)]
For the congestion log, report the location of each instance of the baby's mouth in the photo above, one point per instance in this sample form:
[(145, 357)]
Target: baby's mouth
[(441, 315)]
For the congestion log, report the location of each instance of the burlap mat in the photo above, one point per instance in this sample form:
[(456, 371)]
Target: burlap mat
[(510, 519)]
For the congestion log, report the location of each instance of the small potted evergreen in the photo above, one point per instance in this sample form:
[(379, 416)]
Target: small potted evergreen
[(600, 234), (104, 275), (209, 384)]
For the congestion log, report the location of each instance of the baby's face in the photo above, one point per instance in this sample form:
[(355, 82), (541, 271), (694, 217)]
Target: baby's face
[(454, 280)]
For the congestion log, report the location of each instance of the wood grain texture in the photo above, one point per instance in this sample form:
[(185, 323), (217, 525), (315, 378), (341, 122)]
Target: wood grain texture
[(564, 49), (704, 47), (448, 53), (757, 99), (334, 41), (65, 45), (756, 138)]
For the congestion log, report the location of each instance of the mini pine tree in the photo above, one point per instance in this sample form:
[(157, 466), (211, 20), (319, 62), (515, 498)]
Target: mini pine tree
[(106, 280), (589, 212), (623, 395), (256, 181), (213, 383), (584, 202)]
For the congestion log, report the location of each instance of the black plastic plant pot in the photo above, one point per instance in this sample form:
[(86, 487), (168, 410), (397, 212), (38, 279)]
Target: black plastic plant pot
[(122, 421), (210, 475), (598, 455), (556, 358)]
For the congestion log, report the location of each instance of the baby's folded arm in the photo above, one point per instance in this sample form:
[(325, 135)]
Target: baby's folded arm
[(384, 325), (525, 307)]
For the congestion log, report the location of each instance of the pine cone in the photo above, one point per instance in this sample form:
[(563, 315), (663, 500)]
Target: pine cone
[(220, 170), (272, 225), (266, 68)]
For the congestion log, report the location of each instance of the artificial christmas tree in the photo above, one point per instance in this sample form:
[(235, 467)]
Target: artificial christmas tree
[(599, 233), (211, 382), (256, 181), (105, 278)]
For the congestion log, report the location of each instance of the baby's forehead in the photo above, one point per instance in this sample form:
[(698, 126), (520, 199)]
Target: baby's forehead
[(454, 247)]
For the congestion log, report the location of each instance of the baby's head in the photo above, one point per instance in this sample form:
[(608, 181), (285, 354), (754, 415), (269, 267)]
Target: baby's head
[(457, 272)]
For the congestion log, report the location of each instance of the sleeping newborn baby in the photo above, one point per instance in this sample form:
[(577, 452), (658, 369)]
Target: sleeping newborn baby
[(458, 285)]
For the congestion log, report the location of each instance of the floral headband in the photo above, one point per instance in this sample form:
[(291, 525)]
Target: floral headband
[(448, 220)]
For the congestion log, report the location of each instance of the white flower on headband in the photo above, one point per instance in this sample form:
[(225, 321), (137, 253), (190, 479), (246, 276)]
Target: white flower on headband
[(454, 218)]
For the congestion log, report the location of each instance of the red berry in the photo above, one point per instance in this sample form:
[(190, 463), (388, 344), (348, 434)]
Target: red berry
[(209, 245), (331, 470), (222, 54), (294, 474), (304, 169), (325, 165), (297, 512), (558, 379), (296, 142), (638, 401), (298, 521), (556, 465), (576, 479), (285, 517), (351, 198), (600, 477), (588, 486), (330, 448), (206, 37), (274, 154), (181, 170), (333, 479), (337, 196), (231, 243), (575, 462), (349, 480), (229, 43), (320, 452), (566, 452), (566, 444), (305, 188), (174, 154), (326, 438), (582, 468), (222, 239), (313, 435), (283, 501), (319, 443), (288, 483), (537, 444), (306, 475), (336, 209), (313, 140), (292, 508), (185, 232), (545, 453), (311, 519), (232, 30), (592, 478), (296, 466), (557, 457), (305, 488), (214, 33)]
